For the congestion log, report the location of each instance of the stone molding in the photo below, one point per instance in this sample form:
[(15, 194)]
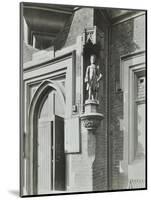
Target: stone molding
[(91, 121)]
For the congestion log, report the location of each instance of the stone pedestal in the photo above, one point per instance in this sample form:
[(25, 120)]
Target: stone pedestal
[(91, 106), (90, 120)]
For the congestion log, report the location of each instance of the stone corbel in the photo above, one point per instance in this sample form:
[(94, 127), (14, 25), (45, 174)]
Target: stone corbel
[(91, 119)]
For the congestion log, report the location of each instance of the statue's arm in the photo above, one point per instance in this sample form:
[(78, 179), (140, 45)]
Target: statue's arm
[(99, 74), (87, 74)]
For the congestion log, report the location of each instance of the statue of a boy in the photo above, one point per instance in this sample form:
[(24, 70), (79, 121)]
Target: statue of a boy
[(92, 78)]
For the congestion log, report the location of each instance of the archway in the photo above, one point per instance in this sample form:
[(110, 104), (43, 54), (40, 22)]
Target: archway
[(46, 128)]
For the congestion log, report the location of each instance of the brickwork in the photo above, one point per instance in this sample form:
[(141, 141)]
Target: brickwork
[(126, 37), (100, 170)]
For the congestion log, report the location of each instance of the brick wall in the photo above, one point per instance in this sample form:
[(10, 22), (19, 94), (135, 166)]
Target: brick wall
[(100, 169), (126, 38)]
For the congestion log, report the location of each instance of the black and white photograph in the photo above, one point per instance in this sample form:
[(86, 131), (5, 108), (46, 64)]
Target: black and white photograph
[(83, 99)]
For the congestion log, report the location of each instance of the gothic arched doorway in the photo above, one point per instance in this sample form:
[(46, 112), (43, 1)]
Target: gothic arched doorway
[(47, 141)]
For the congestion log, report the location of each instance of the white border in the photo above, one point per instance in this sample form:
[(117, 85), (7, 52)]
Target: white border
[(9, 99)]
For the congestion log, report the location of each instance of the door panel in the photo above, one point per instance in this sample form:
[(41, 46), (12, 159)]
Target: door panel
[(44, 157), (50, 146), (59, 181)]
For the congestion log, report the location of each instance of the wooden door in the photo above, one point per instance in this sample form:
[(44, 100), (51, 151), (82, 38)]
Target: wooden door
[(59, 182), (50, 147), (44, 157)]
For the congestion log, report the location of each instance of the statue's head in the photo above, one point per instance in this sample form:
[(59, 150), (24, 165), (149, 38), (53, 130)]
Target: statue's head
[(92, 59)]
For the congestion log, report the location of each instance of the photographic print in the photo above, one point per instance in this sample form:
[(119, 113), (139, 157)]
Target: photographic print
[(82, 99)]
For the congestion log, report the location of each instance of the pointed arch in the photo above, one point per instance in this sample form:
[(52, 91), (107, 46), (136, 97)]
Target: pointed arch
[(44, 88)]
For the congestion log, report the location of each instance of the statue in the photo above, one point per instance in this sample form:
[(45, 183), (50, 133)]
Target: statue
[(92, 79)]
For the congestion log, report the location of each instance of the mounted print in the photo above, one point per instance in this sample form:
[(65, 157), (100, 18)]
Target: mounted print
[(82, 99)]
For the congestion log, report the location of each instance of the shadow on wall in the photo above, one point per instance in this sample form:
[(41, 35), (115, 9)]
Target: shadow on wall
[(61, 38)]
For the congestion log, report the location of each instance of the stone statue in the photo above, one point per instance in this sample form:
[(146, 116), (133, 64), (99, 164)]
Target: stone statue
[(92, 79)]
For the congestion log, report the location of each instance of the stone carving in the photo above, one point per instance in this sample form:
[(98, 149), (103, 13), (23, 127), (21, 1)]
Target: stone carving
[(91, 121), (90, 35), (94, 36), (92, 79), (91, 124)]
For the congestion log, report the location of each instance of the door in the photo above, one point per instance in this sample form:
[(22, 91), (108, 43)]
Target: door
[(59, 154), (44, 157), (50, 147)]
